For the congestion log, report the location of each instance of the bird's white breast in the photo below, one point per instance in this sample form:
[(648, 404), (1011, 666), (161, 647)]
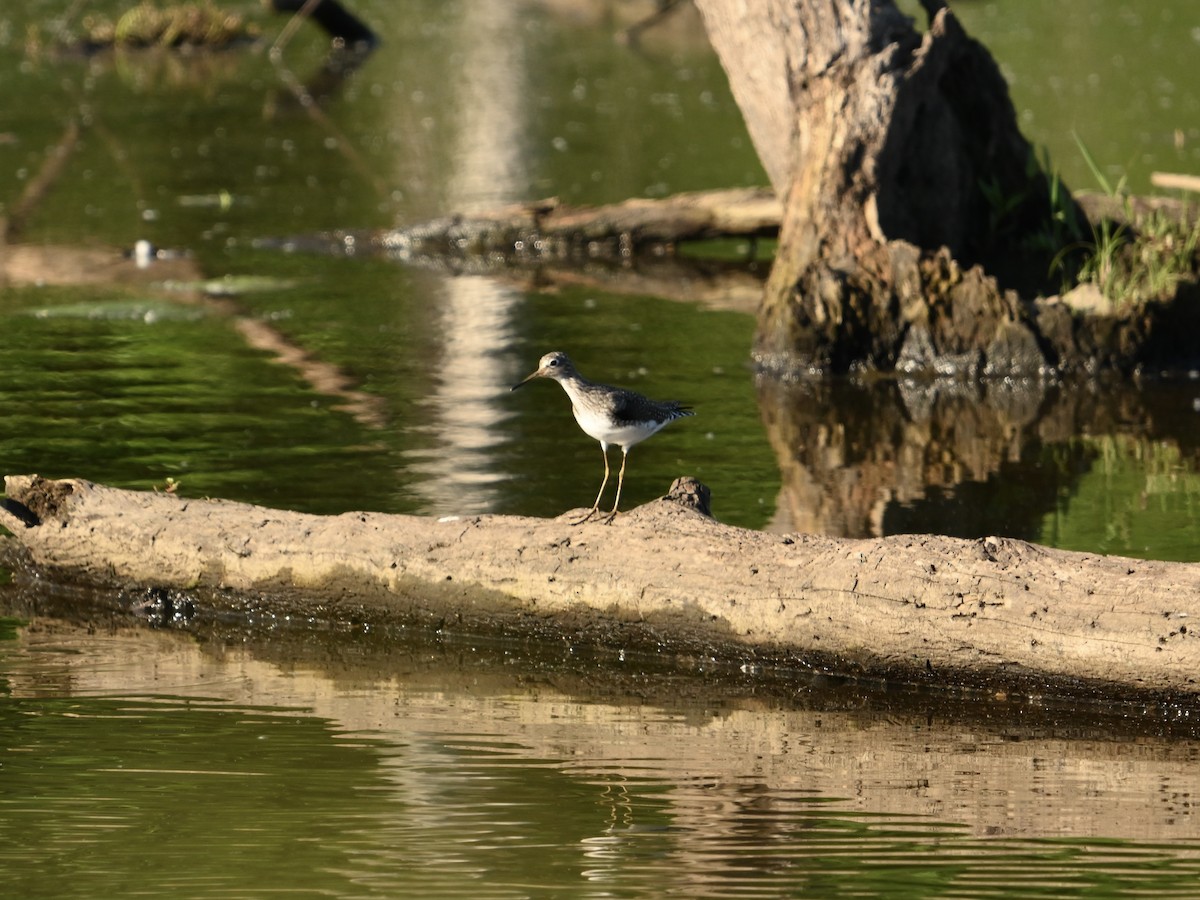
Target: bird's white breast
[(600, 427)]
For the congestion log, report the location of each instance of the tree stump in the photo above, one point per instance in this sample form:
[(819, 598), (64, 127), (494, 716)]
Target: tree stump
[(908, 189)]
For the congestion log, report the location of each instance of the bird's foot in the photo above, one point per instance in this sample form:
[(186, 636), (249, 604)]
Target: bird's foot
[(591, 512)]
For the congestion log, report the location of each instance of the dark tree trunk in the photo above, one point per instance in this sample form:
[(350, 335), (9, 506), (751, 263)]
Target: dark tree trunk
[(901, 167)]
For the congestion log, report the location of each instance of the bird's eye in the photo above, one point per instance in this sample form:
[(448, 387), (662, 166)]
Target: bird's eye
[(554, 362)]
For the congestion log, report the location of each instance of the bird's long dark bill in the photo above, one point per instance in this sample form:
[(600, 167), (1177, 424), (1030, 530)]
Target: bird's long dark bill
[(526, 381)]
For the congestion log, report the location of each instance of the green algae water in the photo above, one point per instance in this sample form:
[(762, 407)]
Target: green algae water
[(321, 760)]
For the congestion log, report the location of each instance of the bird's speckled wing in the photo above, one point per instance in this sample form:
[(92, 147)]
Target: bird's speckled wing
[(630, 406)]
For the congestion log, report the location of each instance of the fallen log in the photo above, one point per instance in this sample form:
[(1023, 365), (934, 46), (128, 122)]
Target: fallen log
[(996, 613), (550, 230)]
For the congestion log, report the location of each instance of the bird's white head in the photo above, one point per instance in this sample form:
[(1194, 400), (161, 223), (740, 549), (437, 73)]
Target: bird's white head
[(556, 365)]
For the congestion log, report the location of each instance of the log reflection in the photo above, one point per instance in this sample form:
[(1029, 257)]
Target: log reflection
[(967, 459)]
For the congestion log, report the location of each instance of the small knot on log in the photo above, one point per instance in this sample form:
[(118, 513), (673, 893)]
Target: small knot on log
[(690, 493)]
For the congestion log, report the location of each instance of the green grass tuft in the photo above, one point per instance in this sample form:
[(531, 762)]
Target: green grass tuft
[(1135, 261)]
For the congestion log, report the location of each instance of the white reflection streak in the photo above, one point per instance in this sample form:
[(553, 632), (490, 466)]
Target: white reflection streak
[(476, 312)]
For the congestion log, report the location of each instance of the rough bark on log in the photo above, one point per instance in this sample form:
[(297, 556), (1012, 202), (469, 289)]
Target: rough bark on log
[(992, 612)]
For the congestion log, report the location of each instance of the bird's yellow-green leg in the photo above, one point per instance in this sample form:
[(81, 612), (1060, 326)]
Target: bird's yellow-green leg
[(603, 484), (620, 484)]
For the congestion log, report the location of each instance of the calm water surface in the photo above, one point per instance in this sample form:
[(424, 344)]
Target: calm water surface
[(150, 763), (331, 762)]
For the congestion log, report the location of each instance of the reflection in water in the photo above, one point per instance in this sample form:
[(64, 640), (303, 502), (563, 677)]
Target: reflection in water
[(365, 764), (971, 460), (848, 451), (458, 474)]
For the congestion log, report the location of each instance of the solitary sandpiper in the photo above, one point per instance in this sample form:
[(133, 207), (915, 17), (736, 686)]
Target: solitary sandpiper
[(611, 415)]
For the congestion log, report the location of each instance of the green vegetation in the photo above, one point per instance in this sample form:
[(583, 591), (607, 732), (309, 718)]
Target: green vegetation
[(1143, 261), (1063, 226), (1138, 259)]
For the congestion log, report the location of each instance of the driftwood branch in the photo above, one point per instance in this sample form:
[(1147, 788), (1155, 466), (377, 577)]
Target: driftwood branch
[(1175, 181), (627, 247), (993, 612)]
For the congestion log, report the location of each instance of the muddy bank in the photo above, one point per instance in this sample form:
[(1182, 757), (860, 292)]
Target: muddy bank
[(994, 613)]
